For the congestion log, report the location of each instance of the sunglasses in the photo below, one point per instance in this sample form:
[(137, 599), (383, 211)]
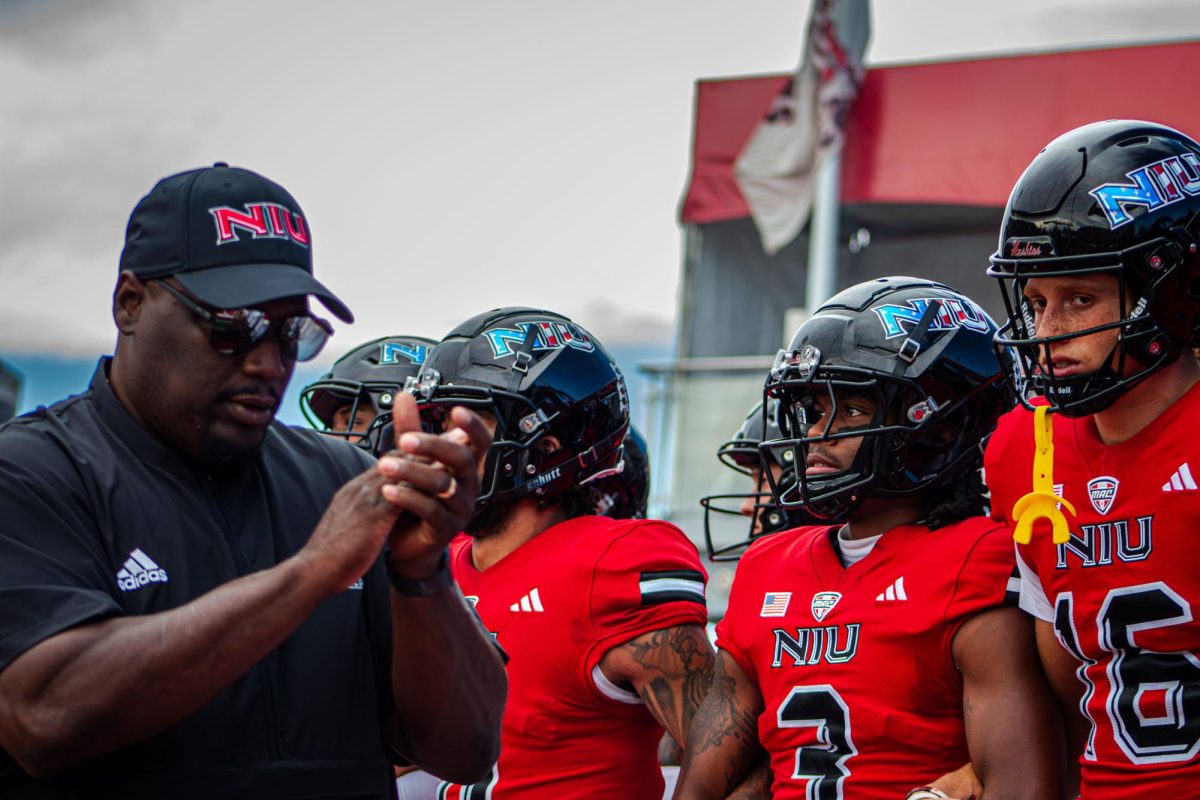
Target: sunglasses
[(236, 331)]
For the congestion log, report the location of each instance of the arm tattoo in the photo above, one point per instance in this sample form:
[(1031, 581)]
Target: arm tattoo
[(679, 671), (720, 718)]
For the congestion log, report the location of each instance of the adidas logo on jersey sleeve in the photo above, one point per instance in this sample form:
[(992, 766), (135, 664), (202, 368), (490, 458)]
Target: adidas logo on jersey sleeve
[(139, 570)]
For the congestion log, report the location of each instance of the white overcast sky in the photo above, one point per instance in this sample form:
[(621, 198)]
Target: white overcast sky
[(450, 156)]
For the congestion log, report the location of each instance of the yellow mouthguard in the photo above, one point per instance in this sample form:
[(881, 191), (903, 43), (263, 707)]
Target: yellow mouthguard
[(1042, 503)]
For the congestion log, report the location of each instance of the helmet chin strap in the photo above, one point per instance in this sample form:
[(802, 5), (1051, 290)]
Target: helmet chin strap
[(524, 357), (910, 348), (1042, 503), (1103, 386)]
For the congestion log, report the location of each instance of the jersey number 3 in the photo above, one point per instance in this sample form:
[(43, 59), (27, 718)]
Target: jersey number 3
[(1171, 731), (823, 765)]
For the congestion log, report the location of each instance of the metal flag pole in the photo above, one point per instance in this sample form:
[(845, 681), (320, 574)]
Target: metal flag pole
[(823, 231)]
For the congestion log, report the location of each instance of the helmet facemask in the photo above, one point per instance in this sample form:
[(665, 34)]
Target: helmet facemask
[(742, 455), (319, 405), (518, 465), (1151, 287), (834, 494), (364, 381), (911, 444)]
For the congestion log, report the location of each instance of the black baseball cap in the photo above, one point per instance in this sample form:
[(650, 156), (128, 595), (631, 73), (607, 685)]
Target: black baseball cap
[(229, 235)]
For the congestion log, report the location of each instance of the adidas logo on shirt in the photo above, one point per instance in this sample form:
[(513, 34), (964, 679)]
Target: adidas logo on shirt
[(893, 592), (1181, 481), (139, 570), (529, 602)]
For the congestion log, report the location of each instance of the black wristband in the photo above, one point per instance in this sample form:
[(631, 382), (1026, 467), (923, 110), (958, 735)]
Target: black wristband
[(419, 587)]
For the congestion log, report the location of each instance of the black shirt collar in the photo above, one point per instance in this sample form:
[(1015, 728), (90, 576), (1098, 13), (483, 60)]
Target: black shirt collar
[(137, 439)]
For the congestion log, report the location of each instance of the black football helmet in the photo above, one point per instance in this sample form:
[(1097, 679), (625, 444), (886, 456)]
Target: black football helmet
[(1120, 198), (625, 493), (367, 378), (539, 374), (741, 454), (924, 352)]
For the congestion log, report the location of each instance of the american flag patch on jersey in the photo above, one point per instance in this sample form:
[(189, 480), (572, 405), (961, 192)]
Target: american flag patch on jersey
[(775, 604), (671, 585)]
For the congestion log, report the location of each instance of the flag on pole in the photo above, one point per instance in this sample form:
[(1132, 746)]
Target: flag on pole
[(776, 168)]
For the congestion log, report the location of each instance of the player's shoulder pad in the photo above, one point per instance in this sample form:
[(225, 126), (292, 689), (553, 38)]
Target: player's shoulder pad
[(783, 545), (658, 536), (598, 533), (967, 534), (973, 528), (646, 546), (976, 538), (663, 559), (1014, 425)]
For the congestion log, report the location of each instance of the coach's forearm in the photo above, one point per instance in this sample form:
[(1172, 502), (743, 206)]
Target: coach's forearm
[(101, 686), (449, 685)]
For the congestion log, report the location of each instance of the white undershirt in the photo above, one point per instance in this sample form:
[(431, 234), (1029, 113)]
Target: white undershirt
[(855, 550), (1033, 596)]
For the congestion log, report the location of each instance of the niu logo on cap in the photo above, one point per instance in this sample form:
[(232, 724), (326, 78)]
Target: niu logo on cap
[(1102, 491), (261, 221)]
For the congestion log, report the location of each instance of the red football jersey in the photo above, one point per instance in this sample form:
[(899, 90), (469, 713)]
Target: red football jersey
[(862, 695), (556, 605), (1120, 592)]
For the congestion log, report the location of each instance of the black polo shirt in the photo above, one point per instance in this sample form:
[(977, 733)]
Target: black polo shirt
[(99, 519)]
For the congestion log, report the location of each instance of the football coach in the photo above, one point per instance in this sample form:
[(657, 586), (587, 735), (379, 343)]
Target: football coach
[(197, 601)]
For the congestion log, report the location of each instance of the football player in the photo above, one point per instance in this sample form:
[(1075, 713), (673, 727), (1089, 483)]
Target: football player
[(741, 454), (602, 619), (362, 384), (863, 659), (1098, 259)]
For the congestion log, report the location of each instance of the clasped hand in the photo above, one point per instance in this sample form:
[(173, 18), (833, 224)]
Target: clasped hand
[(414, 500), (433, 480)]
